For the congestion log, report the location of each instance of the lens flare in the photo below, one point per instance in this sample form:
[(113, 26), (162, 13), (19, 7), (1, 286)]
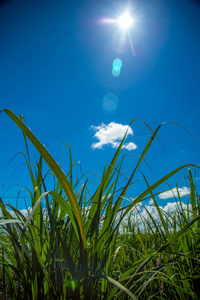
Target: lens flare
[(117, 65), (116, 74), (110, 102)]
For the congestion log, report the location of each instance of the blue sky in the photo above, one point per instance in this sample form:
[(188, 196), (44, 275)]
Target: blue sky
[(56, 69)]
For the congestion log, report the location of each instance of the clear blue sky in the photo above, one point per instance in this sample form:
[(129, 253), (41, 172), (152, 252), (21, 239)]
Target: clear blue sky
[(56, 69)]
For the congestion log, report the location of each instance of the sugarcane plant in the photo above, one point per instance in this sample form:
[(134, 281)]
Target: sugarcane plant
[(77, 243)]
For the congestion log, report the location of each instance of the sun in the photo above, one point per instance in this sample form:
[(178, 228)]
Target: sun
[(125, 21)]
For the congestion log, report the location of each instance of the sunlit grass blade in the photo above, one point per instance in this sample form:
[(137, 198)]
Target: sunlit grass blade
[(118, 285)]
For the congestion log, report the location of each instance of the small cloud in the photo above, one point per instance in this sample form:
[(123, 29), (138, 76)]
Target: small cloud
[(171, 208), (151, 202), (130, 146), (174, 193), (24, 212), (112, 134)]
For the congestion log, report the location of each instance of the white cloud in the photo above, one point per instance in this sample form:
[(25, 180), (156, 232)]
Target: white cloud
[(112, 134), (151, 202), (140, 214), (24, 212), (174, 193), (130, 146), (171, 208)]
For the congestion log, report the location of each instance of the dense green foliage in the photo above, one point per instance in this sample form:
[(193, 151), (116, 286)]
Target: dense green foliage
[(76, 245)]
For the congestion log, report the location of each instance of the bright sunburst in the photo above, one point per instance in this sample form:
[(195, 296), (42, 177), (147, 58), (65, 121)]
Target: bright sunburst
[(125, 21)]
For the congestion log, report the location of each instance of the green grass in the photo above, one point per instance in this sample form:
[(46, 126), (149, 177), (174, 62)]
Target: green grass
[(80, 247)]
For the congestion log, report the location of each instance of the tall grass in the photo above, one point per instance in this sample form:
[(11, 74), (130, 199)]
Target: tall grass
[(76, 245)]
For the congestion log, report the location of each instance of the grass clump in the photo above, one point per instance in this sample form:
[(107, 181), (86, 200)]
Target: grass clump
[(77, 245)]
